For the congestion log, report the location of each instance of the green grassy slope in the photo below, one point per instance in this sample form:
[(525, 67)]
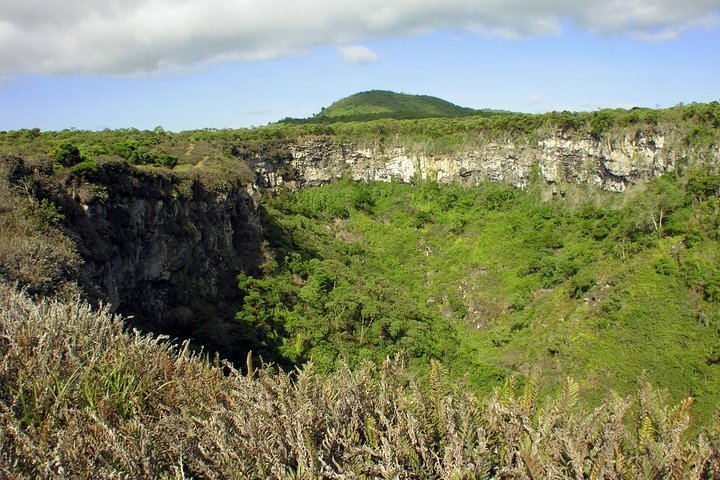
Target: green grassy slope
[(492, 281)]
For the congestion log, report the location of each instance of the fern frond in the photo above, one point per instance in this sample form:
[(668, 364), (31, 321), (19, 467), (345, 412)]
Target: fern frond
[(528, 400), (646, 433), (528, 453), (507, 393), (570, 395), (680, 410)]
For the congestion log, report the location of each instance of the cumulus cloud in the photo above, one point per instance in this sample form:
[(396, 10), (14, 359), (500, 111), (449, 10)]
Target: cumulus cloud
[(357, 54), (129, 37), (531, 100)]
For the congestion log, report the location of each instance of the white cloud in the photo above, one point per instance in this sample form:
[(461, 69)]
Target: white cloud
[(357, 54), (531, 100), (130, 37)]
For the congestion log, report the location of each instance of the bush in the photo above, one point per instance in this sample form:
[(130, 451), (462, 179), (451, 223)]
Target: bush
[(580, 284), (699, 136), (665, 266), (601, 122), (499, 198), (362, 198), (135, 155), (712, 288), (553, 271), (165, 160), (85, 168), (66, 154)]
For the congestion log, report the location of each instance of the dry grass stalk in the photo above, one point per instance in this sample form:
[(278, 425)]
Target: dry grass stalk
[(80, 398)]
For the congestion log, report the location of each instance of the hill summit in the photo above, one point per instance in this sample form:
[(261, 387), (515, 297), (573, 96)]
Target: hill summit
[(379, 104)]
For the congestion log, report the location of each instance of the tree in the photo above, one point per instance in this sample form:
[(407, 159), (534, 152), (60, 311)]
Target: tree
[(66, 154), (665, 196)]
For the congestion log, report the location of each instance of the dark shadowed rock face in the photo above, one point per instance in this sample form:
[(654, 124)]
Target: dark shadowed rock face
[(168, 259)]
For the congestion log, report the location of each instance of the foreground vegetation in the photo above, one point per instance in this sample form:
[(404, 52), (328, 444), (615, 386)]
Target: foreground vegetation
[(81, 398)]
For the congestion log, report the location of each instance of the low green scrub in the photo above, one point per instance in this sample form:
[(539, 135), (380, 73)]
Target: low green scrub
[(66, 154), (692, 129), (137, 155), (85, 168)]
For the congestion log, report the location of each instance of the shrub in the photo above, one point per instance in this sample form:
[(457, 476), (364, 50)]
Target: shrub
[(134, 154), (699, 136), (48, 213), (66, 154), (601, 122), (85, 168), (712, 288), (362, 198), (665, 266), (580, 284), (499, 198), (165, 160)]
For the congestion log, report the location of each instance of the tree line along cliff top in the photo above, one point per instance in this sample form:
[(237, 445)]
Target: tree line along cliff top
[(424, 122)]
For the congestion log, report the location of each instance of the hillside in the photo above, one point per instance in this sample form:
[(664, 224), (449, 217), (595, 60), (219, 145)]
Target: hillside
[(380, 104), (493, 281)]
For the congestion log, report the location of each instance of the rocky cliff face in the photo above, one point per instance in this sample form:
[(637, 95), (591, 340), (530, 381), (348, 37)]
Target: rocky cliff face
[(169, 259), (610, 164)]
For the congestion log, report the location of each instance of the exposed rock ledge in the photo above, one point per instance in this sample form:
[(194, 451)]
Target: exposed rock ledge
[(610, 164)]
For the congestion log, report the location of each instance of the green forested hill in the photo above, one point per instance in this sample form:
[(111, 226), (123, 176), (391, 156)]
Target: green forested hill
[(379, 104)]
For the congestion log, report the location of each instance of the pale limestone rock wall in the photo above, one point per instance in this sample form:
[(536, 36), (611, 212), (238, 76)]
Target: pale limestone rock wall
[(611, 164)]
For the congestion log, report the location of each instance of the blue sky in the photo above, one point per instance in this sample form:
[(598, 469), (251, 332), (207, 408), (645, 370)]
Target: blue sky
[(240, 63)]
